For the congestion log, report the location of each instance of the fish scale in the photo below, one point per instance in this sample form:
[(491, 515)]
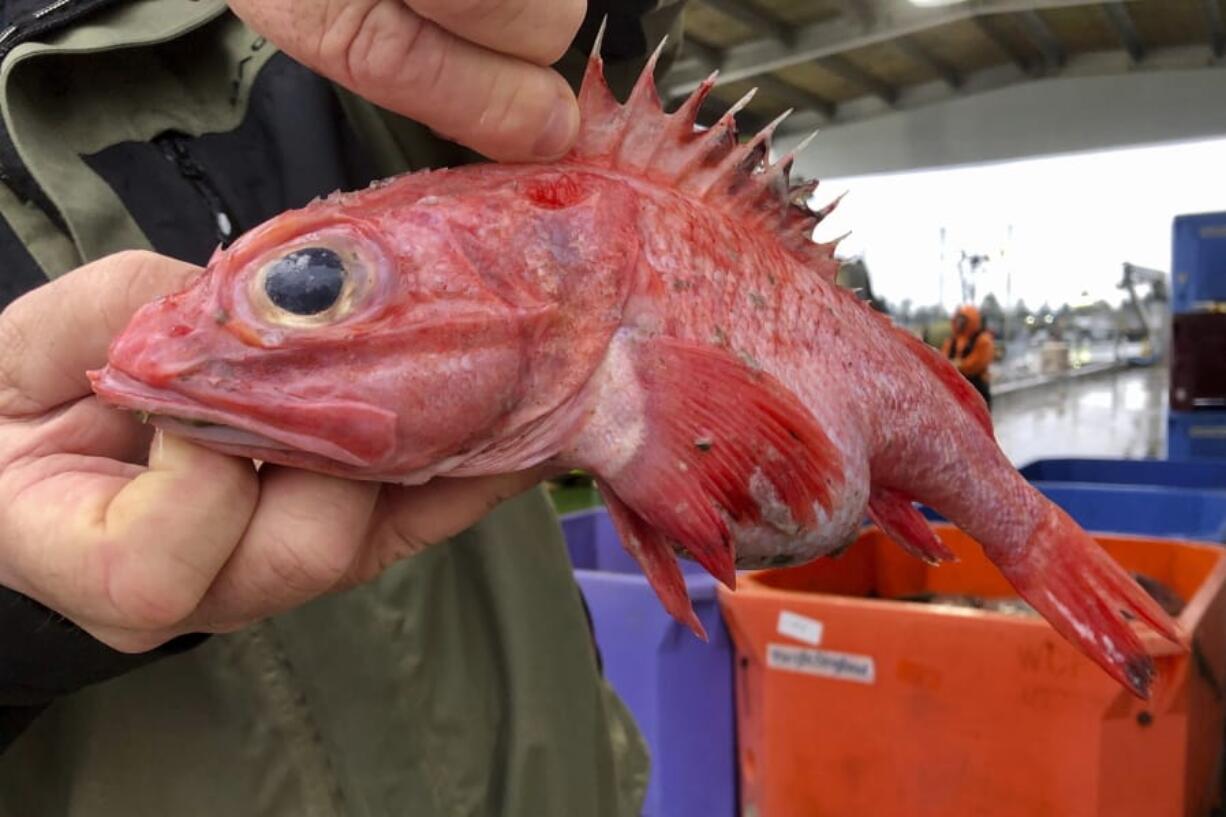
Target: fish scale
[(653, 309)]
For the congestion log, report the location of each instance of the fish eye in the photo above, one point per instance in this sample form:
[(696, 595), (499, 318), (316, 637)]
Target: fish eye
[(305, 282)]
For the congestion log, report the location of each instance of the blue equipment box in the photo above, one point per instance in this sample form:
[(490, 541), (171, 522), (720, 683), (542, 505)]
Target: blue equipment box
[(1198, 262)]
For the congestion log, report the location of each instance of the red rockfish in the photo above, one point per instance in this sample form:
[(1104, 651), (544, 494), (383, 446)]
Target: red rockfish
[(652, 309)]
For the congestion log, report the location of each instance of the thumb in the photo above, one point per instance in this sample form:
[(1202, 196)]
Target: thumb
[(177, 523), (51, 336)]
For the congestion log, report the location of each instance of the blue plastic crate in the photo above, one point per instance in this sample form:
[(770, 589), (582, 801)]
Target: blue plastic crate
[(1196, 435), (679, 689), (1205, 474), (1198, 261), (1142, 510)]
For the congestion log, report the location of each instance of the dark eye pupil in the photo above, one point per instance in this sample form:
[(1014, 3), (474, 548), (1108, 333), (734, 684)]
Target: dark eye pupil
[(306, 282)]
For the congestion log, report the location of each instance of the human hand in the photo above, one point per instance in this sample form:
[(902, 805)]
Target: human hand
[(475, 71), (137, 543)]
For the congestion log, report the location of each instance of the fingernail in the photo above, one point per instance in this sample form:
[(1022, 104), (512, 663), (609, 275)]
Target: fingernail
[(157, 448), (559, 130), (167, 450)]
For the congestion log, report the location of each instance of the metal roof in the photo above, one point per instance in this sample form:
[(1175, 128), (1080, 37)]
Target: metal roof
[(846, 60)]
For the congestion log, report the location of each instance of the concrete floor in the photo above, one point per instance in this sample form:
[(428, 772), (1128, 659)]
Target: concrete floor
[(1121, 415)]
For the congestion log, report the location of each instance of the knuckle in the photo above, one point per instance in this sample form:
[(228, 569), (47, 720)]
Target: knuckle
[(145, 276), (147, 607), (569, 15), (405, 540), (541, 30), (298, 574), (381, 46), (146, 600), (510, 103), (307, 568), (427, 56), (128, 265)]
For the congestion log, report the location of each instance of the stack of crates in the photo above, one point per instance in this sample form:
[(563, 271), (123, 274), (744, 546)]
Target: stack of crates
[(822, 681), (1196, 427), (854, 699)]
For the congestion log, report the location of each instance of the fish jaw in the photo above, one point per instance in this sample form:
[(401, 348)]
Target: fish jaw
[(264, 426)]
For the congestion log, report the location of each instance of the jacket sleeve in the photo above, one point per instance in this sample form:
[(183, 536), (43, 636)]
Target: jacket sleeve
[(44, 656), (977, 362)]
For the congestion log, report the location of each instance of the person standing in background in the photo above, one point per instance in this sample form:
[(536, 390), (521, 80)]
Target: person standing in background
[(971, 349)]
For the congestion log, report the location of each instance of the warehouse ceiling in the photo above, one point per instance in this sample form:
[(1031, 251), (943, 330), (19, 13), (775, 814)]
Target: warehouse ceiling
[(837, 61)]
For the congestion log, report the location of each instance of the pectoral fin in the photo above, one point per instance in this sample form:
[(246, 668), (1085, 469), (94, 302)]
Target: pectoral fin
[(694, 443)]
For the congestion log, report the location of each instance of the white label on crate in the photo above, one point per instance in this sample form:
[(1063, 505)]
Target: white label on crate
[(801, 628), (826, 663)]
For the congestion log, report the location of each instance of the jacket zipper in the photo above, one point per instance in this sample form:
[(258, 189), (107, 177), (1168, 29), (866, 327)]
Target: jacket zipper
[(174, 147)]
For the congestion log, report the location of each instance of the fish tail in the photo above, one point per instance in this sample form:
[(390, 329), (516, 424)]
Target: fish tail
[(1072, 582)]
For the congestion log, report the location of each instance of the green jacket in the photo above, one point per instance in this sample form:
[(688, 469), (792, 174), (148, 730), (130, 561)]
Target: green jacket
[(464, 680)]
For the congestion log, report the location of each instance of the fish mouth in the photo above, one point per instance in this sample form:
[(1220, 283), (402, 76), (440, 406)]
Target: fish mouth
[(183, 415), (218, 434)]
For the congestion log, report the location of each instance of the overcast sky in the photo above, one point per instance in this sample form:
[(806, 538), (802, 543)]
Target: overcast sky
[(1075, 219)]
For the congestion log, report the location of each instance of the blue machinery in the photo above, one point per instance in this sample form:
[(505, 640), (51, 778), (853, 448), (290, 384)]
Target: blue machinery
[(1196, 424)]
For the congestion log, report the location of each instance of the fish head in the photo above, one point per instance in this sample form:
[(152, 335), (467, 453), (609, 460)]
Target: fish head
[(351, 340)]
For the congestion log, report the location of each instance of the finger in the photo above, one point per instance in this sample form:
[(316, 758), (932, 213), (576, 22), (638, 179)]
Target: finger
[(410, 519), (303, 538), (503, 107), (85, 427), (539, 31), (51, 336), (157, 545)]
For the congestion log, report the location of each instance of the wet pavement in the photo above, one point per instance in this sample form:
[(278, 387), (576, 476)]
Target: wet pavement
[(1120, 415)]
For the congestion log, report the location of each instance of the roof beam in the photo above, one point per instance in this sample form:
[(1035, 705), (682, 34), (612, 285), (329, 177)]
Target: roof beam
[(1217, 29), (922, 56), (797, 97), (987, 27), (1125, 29), (708, 55), (848, 70), (793, 95), (817, 40), (859, 11), (758, 20), (1044, 38), (714, 107), (1090, 64)]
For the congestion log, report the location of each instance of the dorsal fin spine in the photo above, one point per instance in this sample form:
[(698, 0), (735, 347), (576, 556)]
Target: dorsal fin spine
[(640, 137)]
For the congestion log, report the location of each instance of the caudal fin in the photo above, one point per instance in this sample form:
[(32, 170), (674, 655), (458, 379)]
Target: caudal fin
[(1072, 582)]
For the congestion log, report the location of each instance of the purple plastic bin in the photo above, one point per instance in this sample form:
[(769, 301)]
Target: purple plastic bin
[(678, 688)]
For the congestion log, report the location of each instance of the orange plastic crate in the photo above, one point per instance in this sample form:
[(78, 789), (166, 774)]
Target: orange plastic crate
[(853, 704)]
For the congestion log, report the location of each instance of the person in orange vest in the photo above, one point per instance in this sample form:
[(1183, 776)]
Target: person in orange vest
[(971, 349)]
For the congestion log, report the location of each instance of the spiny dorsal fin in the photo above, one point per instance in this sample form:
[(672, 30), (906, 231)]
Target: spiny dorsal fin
[(712, 165)]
